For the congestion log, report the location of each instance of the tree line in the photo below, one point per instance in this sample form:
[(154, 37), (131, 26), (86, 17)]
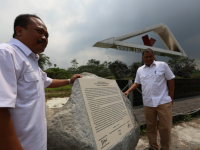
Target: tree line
[(100, 69), (93, 66)]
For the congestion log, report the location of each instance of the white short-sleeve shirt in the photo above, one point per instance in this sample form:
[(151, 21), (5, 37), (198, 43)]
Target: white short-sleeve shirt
[(154, 83), (22, 85)]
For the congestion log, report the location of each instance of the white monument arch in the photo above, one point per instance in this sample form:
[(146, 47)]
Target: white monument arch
[(173, 47)]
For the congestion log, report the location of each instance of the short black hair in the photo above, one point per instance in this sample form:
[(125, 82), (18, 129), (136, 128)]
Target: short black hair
[(147, 50), (22, 21)]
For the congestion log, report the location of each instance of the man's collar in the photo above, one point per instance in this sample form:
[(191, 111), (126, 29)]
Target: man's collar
[(154, 63), (21, 46)]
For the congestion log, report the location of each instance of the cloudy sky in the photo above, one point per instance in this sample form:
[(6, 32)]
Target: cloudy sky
[(75, 26)]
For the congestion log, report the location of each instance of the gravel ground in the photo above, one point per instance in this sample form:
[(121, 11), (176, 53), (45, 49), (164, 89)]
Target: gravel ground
[(185, 136)]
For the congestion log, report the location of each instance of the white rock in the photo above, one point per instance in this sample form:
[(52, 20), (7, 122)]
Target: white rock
[(56, 102)]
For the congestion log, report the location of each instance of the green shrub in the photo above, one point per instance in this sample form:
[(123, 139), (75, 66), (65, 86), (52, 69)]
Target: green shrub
[(187, 118), (56, 73), (196, 76), (110, 77)]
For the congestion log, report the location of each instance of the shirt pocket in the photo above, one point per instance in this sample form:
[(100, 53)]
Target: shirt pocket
[(31, 81), (143, 79), (158, 77)]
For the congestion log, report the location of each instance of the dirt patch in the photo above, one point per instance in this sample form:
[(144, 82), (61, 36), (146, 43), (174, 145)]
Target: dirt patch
[(185, 136)]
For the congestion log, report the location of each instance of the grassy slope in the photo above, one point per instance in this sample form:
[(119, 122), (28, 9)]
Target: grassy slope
[(64, 91)]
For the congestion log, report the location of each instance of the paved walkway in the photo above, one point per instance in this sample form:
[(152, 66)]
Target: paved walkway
[(181, 106)]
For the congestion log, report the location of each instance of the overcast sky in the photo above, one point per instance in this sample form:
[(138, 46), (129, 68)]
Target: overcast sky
[(75, 26)]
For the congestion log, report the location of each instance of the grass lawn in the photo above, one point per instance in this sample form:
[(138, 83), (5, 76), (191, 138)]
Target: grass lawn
[(64, 91)]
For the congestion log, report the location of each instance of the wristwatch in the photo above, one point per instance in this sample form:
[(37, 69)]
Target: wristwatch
[(69, 81)]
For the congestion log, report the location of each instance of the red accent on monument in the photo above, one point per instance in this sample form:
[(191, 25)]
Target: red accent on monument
[(148, 42)]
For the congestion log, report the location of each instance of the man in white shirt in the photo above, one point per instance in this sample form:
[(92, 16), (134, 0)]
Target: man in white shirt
[(22, 83), (157, 98)]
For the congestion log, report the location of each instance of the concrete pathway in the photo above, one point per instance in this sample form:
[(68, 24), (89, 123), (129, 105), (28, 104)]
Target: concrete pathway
[(181, 106)]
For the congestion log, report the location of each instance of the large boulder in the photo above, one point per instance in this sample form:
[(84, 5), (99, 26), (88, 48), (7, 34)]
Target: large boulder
[(70, 129)]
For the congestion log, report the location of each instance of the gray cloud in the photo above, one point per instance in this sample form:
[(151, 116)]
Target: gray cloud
[(75, 25)]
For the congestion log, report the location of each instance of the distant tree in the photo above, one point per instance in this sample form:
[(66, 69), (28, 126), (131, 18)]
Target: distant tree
[(93, 66), (182, 61), (196, 74), (44, 61), (83, 68), (183, 67), (57, 73), (106, 64), (55, 65), (138, 63), (93, 62), (70, 69), (197, 71), (74, 65)]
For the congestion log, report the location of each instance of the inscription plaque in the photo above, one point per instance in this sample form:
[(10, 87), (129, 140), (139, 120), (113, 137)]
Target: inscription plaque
[(106, 109)]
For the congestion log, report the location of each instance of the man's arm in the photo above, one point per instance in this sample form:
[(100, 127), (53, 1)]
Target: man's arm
[(62, 82), (8, 138), (133, 87), (171, 88)]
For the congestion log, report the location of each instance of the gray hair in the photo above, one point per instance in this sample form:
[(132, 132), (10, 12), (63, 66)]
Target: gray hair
[(147, 50)]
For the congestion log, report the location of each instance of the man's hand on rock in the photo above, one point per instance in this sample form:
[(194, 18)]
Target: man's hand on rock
[(74, 77), (126, 93)]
